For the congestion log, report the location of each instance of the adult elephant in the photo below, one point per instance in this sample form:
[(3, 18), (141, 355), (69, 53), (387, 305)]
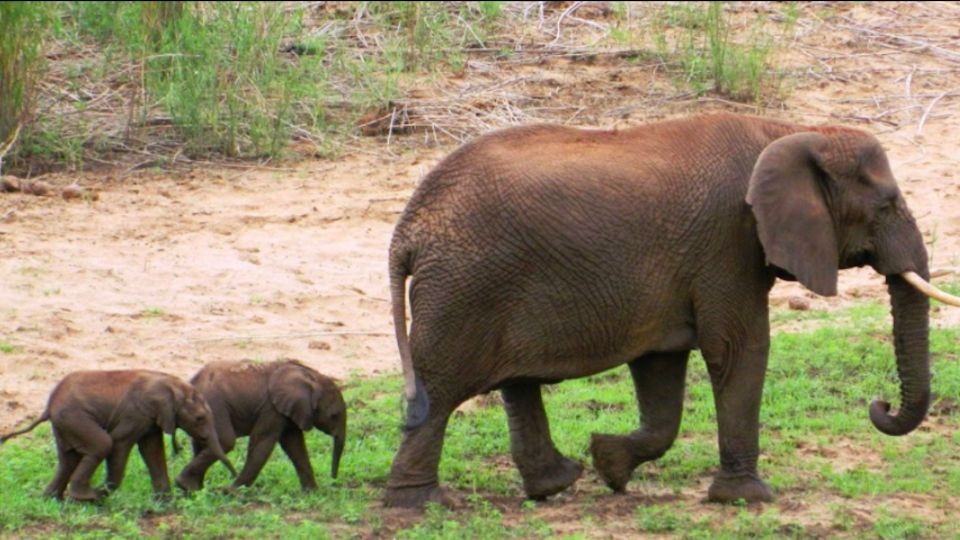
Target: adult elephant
[(544, 253)]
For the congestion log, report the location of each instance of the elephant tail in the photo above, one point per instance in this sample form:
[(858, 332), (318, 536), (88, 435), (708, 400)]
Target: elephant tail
[(43, 418), (418, 405), (399, 270)]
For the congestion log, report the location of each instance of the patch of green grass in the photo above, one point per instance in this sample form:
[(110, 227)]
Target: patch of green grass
[(151, 312), (6, 347), (818, 387)]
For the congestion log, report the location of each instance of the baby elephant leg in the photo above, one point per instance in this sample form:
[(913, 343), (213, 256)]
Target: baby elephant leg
[(296, 449), (67, 461), (93, 444), (151, 450), (191, 477)]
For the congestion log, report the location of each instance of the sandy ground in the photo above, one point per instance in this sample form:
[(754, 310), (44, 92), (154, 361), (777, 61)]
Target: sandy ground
[(173, 269)]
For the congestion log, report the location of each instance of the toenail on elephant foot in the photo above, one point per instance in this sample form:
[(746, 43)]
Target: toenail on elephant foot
[(552, 480), (418, 497), (612, 460), (731, 488)]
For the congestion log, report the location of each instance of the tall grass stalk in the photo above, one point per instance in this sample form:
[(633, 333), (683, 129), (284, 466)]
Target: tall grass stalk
[(22, 25)]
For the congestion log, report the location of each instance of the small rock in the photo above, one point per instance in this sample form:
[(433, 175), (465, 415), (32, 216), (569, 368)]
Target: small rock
[(799, 303), (9, 184), (319, 345), (38, 188), (73, 191)]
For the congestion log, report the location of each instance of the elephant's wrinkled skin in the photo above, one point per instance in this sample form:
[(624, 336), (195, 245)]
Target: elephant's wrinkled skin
[(544, 253), (271, 402), (99, 415)]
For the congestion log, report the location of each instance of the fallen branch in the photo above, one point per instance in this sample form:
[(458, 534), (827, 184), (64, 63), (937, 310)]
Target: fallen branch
[(929, 108)]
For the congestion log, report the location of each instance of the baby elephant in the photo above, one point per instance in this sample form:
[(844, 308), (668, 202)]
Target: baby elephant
[(99, 415), (270, 402)]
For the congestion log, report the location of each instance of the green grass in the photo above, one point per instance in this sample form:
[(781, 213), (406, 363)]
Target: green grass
[(152, 312), (819, 450)]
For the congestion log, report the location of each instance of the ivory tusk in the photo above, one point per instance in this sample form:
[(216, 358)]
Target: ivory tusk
[(921, 285)]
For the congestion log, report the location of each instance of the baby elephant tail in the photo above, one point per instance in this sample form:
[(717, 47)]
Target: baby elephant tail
[(43, 418)]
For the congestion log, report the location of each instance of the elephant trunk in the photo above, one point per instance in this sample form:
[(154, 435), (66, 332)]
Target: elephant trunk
[(339, 441), (339, 435), (910, 310), (213, 443)]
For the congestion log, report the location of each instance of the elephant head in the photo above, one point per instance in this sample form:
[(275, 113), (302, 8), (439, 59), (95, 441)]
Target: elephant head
[(172, 403), (827, 200), (310, 400)]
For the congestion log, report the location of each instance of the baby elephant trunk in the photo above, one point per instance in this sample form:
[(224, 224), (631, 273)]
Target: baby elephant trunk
[(339, 441), (213, 443)]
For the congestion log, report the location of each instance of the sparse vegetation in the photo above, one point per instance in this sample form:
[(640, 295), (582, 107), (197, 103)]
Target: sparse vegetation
[(189, 80), (698, 36)]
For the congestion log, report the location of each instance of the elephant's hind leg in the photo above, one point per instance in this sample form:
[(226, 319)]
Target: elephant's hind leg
[(545, 471), (659, 382), (413, 477), (67, 461), (94, 444)]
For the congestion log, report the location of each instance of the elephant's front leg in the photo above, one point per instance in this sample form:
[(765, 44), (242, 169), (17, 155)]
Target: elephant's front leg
[(117, 464), (151, 450), (262, 441), (737, 374), (544, 470), (296, 449), (191, 477), (658, 379)]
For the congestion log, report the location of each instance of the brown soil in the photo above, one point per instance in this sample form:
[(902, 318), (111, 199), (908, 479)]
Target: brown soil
[(170, 270)]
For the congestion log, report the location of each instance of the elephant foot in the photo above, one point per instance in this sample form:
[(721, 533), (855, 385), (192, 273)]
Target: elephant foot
[(613, 460), (418, 497), (727, 488), (86, 494), (560, 475), (188, 483)]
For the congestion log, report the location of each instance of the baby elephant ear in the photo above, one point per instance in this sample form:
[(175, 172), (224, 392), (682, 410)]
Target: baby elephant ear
[(169, 398), (793, 220), (291, 389)]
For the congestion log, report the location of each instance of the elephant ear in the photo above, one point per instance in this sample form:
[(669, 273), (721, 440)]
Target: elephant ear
[(159, 398), (291, 391), (793, 220), (169, 401)]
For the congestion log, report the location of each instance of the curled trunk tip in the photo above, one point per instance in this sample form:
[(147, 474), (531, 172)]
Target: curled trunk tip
[(895, 425)]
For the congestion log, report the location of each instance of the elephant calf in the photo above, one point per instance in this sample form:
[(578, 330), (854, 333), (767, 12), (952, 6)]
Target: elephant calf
[(271, 402), (99, 415)]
